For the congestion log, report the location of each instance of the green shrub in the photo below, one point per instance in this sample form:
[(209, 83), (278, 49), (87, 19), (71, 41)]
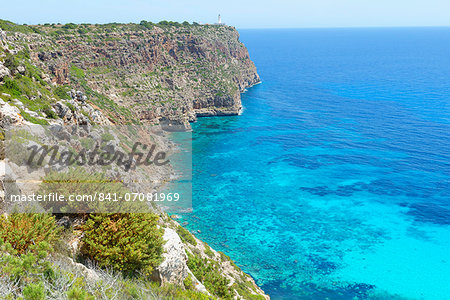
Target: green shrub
[(70, 106), (208, 250), (70, 26), (10, 26), (126, 242), (209, 274), (106, 137), (186, 236), (188, 284), (10, 62), (175, 292), (47, 110), (26, 268), (243, 288), (34, 291), (22, 230), (11, 87), (77, 293), (77, 72), (148, 25), (61, 91)]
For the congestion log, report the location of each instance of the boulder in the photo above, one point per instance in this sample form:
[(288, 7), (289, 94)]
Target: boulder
[(21, 69), (10, 114), (60, 109), (4, 71), (60, 132)]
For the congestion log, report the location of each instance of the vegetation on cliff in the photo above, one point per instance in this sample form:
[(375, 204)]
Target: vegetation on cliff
[(128, 243)]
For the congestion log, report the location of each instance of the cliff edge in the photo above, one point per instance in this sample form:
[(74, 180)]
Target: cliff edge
[(155, 72)]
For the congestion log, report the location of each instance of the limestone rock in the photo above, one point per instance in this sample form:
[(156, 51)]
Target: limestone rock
[(60, 109), (89, 274), (4, 71), (21, 69), (174, 268), (9, 114)]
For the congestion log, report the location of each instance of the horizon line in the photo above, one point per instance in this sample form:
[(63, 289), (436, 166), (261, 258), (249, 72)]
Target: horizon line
[(345, 27)]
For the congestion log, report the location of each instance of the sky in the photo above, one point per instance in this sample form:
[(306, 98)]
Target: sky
[(238, 13)]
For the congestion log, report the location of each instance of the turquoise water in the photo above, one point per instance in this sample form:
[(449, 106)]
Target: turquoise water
[(334, 183)]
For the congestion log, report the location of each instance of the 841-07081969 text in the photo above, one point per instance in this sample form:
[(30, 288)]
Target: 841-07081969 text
[(101, 197)]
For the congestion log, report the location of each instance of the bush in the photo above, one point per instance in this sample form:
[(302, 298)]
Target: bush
[(208, 250), (10, 26), (24, 230), (77, 72), (11, 87), (25, 268), (148, 25), (10, 62), (47, 110), (188, 284), (70, 106), (62, 92), (171, 291), (77, 293), (186, 236), (34, 291), (70, 26), (126, 242), (209, 274)]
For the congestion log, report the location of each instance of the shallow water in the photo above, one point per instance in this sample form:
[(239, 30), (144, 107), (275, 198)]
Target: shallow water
[(335, 181)]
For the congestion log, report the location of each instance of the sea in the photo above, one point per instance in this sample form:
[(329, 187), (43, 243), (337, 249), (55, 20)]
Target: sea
[(334, 182)]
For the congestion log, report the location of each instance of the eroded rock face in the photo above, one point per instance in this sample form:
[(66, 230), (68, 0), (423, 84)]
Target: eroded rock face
[(172, 72), (174, 268)]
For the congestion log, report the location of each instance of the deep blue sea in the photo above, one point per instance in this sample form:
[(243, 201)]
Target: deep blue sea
[(334, 183)]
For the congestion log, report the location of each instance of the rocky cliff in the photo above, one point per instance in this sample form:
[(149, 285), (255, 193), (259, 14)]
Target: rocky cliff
[(153, 73)]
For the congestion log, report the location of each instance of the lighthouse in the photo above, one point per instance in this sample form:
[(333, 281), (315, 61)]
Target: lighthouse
[(219, 20)]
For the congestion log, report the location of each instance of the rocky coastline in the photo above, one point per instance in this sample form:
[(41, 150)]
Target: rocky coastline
[(118, 74)]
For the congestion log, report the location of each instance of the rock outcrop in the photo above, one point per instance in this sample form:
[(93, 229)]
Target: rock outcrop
[(4, 71), (174, 268)]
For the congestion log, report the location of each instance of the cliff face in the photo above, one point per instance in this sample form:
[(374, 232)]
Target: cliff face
[(173, 73)]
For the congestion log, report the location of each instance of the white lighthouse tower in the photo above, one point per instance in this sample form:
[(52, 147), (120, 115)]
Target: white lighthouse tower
[(219, 20)]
